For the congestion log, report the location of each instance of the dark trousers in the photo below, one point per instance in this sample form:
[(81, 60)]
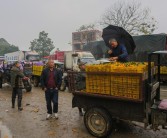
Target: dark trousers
[(18, 92), (51, 95), (0, 82)]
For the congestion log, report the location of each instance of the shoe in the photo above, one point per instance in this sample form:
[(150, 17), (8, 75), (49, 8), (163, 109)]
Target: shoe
[(48, 116), (20, 108), (55, 116)]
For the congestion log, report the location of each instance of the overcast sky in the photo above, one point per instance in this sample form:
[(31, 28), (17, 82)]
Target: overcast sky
[(22, 20)]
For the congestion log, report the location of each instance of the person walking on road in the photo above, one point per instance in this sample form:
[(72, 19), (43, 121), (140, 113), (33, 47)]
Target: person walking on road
[(50, 82), (17, 84)]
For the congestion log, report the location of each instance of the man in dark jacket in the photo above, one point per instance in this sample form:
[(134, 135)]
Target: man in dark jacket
[(50, 82), (17, 84), (117, 52), (1, 73)]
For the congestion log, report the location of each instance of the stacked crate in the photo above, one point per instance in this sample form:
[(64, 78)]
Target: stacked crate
[(127, 86), (37, 70), (122, 80), (163, 69), (99, 84)]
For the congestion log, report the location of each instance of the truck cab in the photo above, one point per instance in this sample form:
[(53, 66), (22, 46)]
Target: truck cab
[(73, 58)]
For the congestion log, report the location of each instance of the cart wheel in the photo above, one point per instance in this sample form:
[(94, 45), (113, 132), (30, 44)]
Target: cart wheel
[(36, 82), (98, 122)]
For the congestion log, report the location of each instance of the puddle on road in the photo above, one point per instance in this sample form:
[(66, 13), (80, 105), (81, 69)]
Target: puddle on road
[(4, 131)]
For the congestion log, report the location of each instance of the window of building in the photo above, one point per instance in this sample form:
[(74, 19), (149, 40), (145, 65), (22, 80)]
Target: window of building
[(76, 37), (90, 36)]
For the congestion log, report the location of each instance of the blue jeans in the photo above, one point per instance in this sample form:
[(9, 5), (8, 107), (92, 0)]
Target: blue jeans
[(51, 95)]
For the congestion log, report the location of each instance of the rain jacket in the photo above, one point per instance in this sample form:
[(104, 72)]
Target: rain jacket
[(16, 77)]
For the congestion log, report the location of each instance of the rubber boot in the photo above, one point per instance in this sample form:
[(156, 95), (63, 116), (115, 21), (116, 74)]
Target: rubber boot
[(19, 105), (13, 103)]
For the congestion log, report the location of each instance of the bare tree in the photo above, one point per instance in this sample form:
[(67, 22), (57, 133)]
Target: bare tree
[(131, 16)]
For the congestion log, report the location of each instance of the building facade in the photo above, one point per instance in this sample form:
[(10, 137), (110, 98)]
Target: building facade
[(85, 37)]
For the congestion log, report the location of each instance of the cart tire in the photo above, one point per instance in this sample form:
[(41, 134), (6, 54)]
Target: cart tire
[(98, 122), (36, 82)]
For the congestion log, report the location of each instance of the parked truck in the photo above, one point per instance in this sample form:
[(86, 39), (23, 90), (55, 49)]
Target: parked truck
[(21, 56), (57, 55), (71, 61), (115, 91)]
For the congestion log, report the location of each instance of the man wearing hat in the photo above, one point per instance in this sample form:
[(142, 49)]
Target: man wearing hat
[(117, 52), (82, 66), (17, 84), (82, 76)]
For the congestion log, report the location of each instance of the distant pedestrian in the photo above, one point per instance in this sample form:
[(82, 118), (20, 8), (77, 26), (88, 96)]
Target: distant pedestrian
[(1, 79), (50, 82), (82, 73), (1, 73), (17, 84)]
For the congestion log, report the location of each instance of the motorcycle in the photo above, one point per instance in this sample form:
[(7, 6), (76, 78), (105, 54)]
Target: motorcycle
[(26, 82)]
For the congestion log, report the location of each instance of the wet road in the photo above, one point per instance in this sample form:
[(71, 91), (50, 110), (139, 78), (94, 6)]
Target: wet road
[(31, 122)]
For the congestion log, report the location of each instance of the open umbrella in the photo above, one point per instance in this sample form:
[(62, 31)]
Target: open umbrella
[(121, 35)]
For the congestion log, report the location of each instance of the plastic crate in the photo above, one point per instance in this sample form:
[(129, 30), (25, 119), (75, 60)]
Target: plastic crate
[(163, 69), (99, 84), (37, 70), (127, 86)]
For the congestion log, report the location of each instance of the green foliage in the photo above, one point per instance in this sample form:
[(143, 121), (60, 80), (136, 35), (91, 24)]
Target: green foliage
[(5, 47), (43, 45)]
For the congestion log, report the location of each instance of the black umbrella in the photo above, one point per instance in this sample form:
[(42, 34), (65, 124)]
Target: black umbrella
[(121, 35)]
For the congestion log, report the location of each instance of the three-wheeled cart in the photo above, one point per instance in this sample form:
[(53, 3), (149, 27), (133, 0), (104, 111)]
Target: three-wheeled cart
[(101, 110)]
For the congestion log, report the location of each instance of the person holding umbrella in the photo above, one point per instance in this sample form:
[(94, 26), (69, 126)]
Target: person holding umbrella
[(119, 41), (117, 52)]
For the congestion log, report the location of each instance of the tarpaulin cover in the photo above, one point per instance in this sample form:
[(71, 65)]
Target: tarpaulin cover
[(146, 44), (150, 43)]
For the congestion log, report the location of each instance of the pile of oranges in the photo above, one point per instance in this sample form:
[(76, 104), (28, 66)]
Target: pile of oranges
[(129, 67)]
